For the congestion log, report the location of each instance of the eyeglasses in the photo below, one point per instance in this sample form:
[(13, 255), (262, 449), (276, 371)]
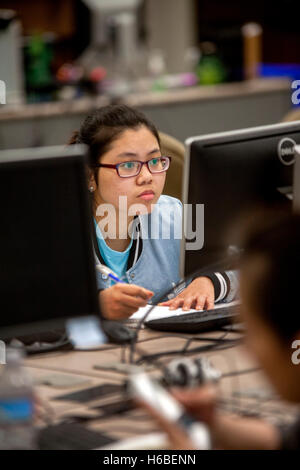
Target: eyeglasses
[(133, 168)]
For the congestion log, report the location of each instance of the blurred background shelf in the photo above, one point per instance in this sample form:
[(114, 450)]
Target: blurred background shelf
[(178, 113), (76, 56)]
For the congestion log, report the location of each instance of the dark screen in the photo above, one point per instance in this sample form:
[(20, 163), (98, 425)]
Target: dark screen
[(46, 267)]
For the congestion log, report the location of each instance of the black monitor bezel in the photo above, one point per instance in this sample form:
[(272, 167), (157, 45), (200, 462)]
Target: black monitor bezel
[(218, 139), (30, 157)]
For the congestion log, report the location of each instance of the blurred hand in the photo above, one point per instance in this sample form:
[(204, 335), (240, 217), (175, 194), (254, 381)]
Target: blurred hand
[(200, 295), (122, 300), (226, 431), (199, 402)]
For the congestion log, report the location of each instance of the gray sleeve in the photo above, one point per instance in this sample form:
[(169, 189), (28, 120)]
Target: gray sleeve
[(226, 285), (233, 288)]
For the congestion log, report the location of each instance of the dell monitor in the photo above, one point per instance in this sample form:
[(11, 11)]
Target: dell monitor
[(231, 174), (47, 267)]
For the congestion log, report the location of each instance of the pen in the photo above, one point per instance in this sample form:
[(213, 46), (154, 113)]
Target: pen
[(108, 272)]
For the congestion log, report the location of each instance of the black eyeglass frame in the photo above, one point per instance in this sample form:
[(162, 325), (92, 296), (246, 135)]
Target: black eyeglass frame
[(116, 167)]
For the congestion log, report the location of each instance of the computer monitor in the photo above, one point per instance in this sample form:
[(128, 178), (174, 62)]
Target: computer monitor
[(231, 174), (47, 268)]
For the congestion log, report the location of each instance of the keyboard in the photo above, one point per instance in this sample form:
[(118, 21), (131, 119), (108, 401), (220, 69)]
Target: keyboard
[(71, 436), (196, 322)]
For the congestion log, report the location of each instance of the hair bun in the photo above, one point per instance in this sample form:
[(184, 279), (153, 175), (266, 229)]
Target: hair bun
[(75, 139)]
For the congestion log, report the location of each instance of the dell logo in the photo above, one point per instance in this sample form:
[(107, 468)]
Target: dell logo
[(286, 151)]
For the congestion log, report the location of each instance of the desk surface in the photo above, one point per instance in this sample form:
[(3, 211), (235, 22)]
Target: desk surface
[(247, 393)]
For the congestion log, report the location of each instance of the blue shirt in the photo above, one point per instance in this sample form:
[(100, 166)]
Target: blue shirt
[(115, 260)]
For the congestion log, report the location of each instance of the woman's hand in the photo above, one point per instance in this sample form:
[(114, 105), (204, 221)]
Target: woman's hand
[(200, 294), (122, 300)]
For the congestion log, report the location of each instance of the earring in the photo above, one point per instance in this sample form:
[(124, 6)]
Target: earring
[(91, 189)]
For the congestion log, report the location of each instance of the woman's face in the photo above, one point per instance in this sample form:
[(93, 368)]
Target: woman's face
[(272, 354), (143, 189)]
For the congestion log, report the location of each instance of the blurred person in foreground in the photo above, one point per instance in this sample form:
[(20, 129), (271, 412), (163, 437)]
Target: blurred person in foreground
[(269, 293)]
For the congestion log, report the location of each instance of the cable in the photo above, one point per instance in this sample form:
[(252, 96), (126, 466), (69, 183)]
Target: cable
[(57, 346), (185, 349), (37, 347), (110, 347), (240, 372), (211, 268), (154, 362), (219, 340)]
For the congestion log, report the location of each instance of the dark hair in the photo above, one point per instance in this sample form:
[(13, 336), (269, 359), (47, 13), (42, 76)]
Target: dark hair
[(104, 125), (275, 292)]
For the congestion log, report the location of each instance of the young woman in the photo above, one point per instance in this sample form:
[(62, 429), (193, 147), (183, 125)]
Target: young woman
[(269, 290), (126, 179)]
